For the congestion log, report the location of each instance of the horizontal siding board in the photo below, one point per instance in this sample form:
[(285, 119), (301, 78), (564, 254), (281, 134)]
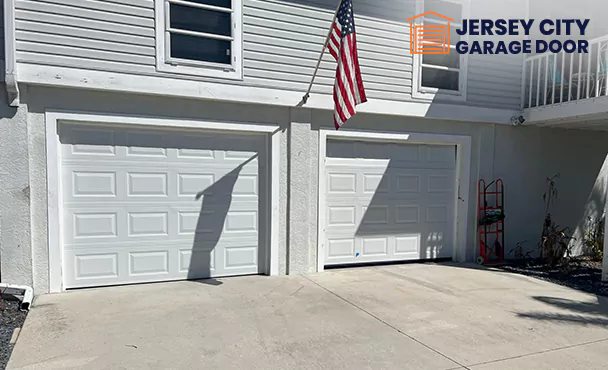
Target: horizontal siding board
[(364, 42), (144, 4), (75, 11), (323, 72), (99, 65), (267, 52), (83, 23), (34, 47), (85, 44), (362, 17), (86, 34), (118, 7), (326, 64), (403, 61)]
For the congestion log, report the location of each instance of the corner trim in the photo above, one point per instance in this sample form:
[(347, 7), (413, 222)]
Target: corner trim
[(54, 196), (11, 77), (463, 179)]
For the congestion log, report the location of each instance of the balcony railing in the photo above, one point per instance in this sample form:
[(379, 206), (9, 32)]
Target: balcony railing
[(554, 78)]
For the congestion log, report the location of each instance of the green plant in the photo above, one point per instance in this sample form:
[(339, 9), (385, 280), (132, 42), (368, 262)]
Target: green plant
[(555, 243), (594, 238), (549, 197)]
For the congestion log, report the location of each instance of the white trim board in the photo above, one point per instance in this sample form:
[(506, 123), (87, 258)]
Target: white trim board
[(52, 118), (168, 85), (463, 176)]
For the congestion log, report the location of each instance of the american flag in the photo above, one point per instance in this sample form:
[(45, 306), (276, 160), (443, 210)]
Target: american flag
[(348, 88)]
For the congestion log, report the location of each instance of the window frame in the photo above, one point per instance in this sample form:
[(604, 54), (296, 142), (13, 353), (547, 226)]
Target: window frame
[(431, 93), (166, 63)]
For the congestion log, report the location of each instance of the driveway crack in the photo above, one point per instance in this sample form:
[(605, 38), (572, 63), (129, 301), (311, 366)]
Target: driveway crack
[(387, 324)]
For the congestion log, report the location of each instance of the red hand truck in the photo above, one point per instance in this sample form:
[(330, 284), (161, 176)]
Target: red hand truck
[(491, 215)]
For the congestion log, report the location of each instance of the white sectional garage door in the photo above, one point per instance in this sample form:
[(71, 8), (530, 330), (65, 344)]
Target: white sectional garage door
[(143, 205), (388, 202)]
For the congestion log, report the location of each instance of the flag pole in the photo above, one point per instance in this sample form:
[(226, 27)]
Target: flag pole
[(314, 75)]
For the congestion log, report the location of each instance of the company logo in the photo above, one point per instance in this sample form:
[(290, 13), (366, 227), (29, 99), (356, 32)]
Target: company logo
[(430, 39), (435, 38)]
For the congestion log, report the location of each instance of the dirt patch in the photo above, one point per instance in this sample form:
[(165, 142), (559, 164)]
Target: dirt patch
[(583, 274), (10, 319)]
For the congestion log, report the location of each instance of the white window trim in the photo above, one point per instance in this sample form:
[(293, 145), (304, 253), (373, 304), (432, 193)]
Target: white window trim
[(429, 93), (195, 68)]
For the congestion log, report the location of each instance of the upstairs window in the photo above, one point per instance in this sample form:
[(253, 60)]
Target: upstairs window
[(441, 74), (199, 37)]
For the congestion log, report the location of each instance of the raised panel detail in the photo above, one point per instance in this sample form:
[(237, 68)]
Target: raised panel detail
[(407, 214), (340, 248), (439, 184), (188, 222), (147, 184), (233, 154), (241, 257), (407, 244), (408, 184), (94, 225), (93, 142), (198, 264), (241, 221), (342, 183), (375, 184), (142, 263), (437, 213), (94, 184), (374, 247), (148, 145), (148, 224), (96, 266), (196, 153), (375, 215), (340, 149), (342, 216), (407, 152), (246, 185), (193, 184), (442, 154)]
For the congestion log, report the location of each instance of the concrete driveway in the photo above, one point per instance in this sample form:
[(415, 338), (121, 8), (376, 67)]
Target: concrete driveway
[(397, 317)]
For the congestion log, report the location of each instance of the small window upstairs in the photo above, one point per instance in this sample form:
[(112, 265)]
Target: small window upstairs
[(441, 75), (199, 37)]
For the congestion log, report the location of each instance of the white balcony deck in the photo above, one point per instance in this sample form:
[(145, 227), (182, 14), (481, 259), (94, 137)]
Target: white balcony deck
[(566, 88)]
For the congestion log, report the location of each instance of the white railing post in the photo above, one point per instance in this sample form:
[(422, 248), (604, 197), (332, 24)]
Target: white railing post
[(587, 84), (570, 77), (546, 78), (554, 78), (580, 71), (561, 79), (538, 85), (597, 69), (531, 77)]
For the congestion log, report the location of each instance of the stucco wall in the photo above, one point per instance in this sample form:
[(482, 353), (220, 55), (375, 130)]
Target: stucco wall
[(525, 156), (522, 156), (15, 245)]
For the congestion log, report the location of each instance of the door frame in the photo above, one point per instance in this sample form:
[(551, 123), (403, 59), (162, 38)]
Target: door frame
[(53, 169), (463, 175)]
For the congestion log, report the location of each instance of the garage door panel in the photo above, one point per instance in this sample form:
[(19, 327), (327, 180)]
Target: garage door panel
[(148, 205), (388, 202)]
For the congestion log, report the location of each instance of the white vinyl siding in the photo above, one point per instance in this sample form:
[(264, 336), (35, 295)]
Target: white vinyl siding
[(495, 80), (2, 63), (281, 44)]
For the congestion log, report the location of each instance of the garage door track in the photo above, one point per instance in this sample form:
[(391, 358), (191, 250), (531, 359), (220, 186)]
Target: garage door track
[(393, 317)]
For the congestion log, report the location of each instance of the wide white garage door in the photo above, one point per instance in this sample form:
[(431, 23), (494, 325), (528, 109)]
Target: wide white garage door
[(143, 205), (388, 202)]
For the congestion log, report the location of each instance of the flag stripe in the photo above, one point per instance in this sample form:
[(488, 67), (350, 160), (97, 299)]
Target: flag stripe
[(348, 87)]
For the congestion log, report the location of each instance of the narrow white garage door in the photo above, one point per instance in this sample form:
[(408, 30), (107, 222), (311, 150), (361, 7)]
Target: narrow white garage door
[(388, 202), (142, 205)]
